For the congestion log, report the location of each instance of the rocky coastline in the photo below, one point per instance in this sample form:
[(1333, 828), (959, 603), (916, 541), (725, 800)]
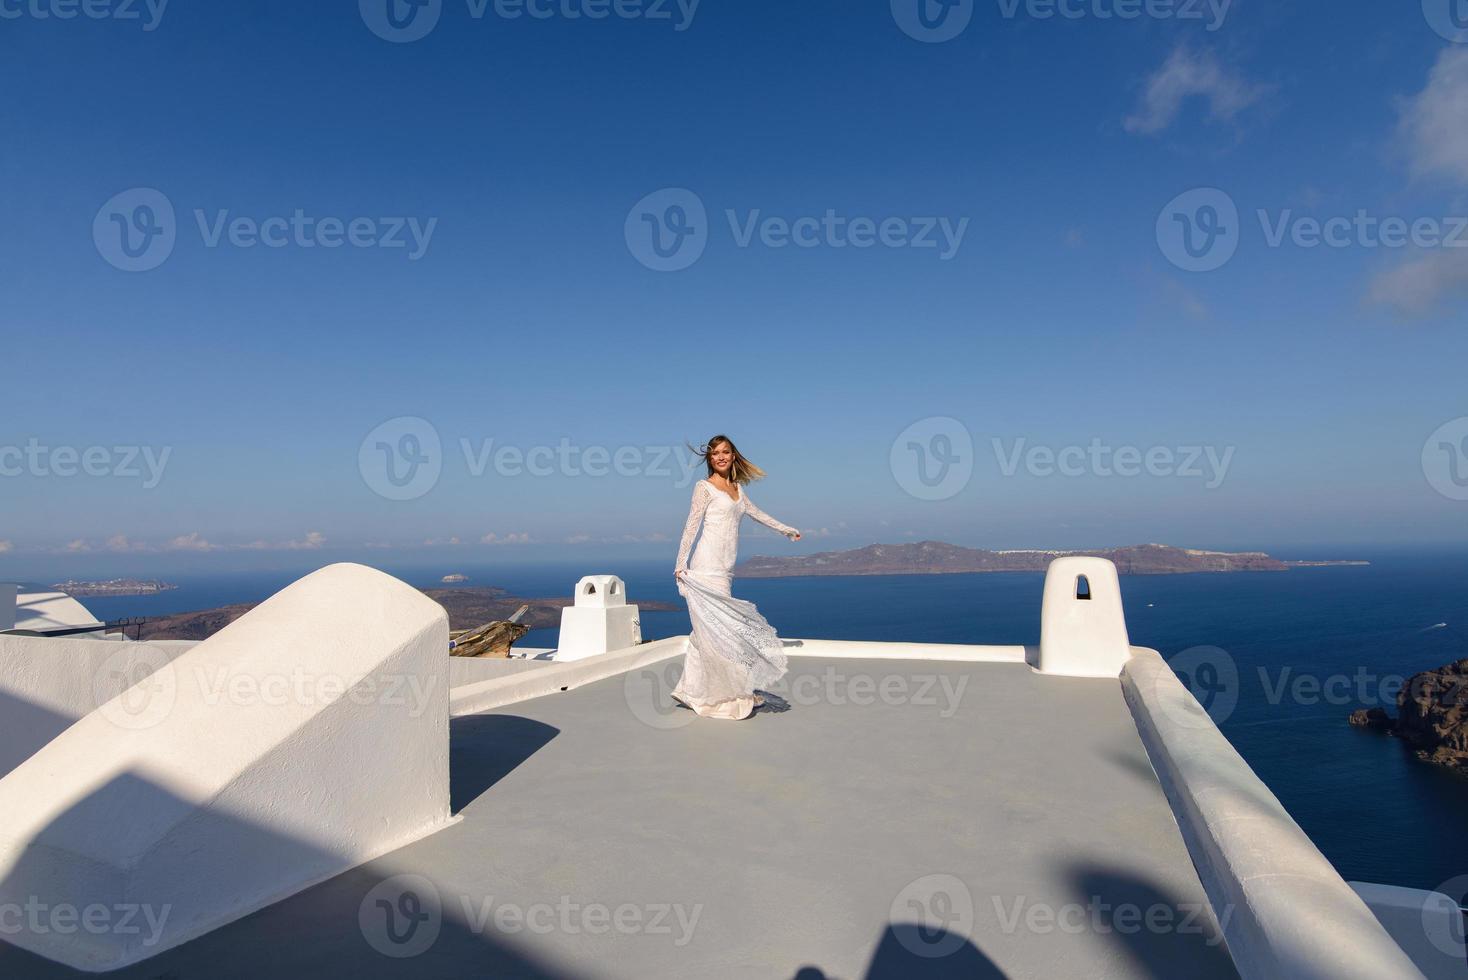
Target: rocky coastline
[(1432, 716)]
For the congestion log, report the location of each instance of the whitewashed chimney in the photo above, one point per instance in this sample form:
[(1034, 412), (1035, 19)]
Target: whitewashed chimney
[(1082, 624), (601, 620)]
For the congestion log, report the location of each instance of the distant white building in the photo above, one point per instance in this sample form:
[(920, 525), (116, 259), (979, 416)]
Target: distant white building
[(42, 610)]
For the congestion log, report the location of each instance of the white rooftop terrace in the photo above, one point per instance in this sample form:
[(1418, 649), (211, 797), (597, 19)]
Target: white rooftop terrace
[(1066, 810)]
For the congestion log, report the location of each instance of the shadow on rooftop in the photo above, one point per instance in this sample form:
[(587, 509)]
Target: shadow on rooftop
[(349, 925), (483, 749), (914, 952), (1163, 935), (897, 956), (1131, 760)]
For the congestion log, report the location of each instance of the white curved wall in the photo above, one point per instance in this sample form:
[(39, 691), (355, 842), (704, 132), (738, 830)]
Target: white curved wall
[(305, 738), (46, 684), (46, 611)]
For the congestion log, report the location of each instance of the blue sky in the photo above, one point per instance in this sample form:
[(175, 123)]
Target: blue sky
[(528, 152)]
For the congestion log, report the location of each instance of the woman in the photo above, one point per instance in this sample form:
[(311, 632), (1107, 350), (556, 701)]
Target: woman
[(732, 650)]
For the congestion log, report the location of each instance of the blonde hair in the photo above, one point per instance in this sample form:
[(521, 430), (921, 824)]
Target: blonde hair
[(741, 470)]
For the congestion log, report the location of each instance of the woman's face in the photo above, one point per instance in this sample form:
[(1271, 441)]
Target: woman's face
[(722, 456)]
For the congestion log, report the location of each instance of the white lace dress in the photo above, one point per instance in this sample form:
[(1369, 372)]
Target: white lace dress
[(732, 650)]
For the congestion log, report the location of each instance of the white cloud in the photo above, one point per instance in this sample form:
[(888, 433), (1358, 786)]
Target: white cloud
[(1434, 130), (1184, 75), (1435, 121), (578, 539), (194, 541), (1419, 285), (311, 542), (654, 538), (522, 537)]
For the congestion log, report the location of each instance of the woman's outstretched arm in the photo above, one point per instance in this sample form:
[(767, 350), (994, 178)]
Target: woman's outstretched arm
[(766, 519), (695, 517)]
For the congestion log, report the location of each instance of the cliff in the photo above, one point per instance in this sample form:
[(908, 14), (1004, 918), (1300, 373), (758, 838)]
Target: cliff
[(1432, 715)]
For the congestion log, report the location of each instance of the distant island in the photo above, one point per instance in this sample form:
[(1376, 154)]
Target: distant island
[(941, 558), (467, 609), (112, 587)]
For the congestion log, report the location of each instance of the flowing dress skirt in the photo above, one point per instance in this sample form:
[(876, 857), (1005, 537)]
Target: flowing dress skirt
[(732, 649)]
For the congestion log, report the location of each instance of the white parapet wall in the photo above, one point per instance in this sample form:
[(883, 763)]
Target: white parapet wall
[(305, 738), (1082, 623), (600, 620), (884, 650), (1284, 910), (472, 670), (1428, 925), (47, 683), (553, 677)]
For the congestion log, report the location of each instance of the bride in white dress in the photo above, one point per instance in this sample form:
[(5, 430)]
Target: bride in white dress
[(732, 650)]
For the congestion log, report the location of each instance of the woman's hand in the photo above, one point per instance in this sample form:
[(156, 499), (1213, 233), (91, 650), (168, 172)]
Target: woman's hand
[(793, 535), (678, 573)]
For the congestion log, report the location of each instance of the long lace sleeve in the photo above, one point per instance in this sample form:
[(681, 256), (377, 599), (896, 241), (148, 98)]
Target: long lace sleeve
[(762, 517), (695, 517)]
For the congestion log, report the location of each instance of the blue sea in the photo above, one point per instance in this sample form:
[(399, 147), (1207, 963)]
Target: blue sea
[(1307, 646)]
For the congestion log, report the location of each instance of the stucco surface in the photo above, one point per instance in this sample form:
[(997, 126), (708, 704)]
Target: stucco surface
[(1015, 813)]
